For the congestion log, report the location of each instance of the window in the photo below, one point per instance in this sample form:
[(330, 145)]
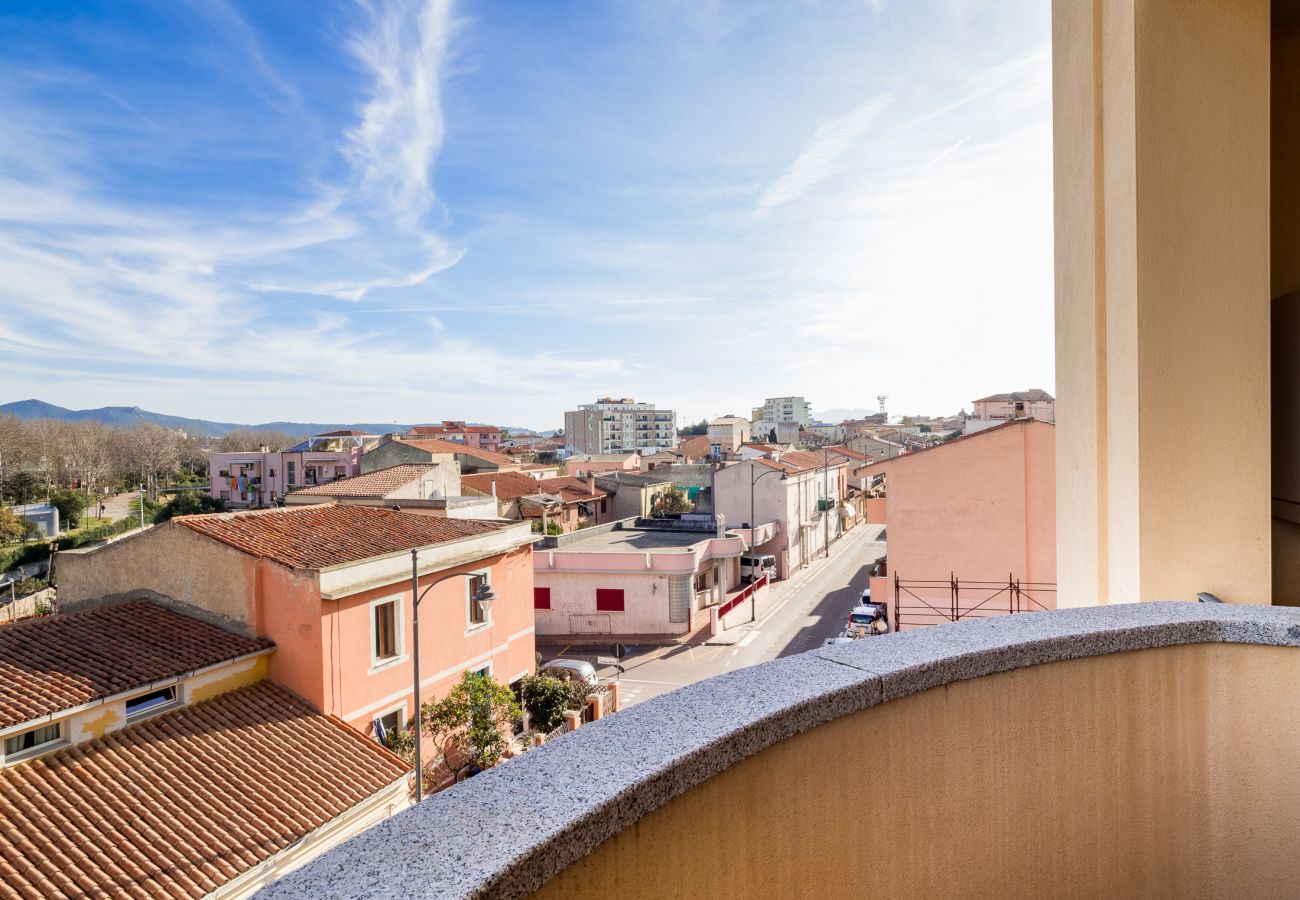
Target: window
[(483, 671), (147, 704), (388, 644), (609, 599), (388, 724), (30, 740), (477, 614), (340, 471), (541, 598), (290, 469)]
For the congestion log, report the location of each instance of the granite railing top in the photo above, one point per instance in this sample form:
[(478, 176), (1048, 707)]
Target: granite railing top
[(508, 831)]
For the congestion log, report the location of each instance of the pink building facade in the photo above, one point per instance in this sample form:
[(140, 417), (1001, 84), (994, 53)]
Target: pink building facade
[(629, 581), (799, 493), (262, 476), (331, 586), (980, 509), (481, 437)]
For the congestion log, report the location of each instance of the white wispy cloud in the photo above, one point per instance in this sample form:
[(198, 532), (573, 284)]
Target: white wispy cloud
[(818, 158), (401, 126)]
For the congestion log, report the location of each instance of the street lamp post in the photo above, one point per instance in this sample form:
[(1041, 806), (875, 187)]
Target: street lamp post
[(753, 525), (483, 596)]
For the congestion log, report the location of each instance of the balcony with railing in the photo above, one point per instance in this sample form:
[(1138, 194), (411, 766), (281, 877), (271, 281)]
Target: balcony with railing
[(1120, 751)]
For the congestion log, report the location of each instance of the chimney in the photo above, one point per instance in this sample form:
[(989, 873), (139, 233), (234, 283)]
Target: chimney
[(591, 483), (722, 525)]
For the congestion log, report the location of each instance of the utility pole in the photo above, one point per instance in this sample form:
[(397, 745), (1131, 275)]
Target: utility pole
[(142, 505)]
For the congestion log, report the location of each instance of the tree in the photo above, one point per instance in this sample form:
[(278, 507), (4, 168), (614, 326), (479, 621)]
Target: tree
[(13, 527), (152, 451), (771, 436), (546, 698), (69, 504), (20, 488), (247, 439), (90, 452), (674, 500), (468, 727), (188, 503), (700, 427)]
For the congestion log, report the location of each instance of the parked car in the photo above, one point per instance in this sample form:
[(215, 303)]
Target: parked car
[(867, 619), (755, 566), (571, 670)]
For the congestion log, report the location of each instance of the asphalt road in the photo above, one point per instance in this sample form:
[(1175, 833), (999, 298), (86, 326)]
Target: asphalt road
[(810, 607)]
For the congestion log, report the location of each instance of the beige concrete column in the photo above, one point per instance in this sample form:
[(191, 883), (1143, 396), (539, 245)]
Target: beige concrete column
[(1161, 120)]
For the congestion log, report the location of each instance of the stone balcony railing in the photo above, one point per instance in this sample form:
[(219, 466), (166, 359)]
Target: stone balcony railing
[(1121, 751)]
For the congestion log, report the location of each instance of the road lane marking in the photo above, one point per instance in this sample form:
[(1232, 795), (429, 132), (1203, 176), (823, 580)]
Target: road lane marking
[(747, 639)]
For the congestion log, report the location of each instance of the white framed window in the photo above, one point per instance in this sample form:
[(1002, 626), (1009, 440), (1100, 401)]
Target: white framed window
[(389, 721), (484, 670), (33, 742), (387, 632), (144, 705), (475, 614)]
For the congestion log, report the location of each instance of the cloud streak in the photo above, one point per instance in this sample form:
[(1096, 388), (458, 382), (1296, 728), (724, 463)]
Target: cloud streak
[(816, 162), (401, 126)]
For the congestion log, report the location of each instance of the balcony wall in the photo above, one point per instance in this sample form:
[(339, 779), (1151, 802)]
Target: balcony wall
[(1133, 750)]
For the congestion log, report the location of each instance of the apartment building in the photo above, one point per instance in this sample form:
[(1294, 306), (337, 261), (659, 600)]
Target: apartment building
[(480, 437), (331, 586), (260, 476), (619, 426), (1031, 404), (784, 409)]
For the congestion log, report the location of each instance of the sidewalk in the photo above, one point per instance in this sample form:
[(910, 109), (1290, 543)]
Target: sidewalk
[(784, 590)]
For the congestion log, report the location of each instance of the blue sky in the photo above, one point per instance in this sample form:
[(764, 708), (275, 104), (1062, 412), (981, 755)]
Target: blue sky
[(406, 211)]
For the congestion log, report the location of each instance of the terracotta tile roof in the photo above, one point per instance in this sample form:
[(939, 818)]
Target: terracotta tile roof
[(434, 445), (316, 537), (780, 465), (849, 454), (570, 488), (182, 803), (696, 446), (59, 662), (1033, 395), (373, 484), (811, 459), (509, 485)]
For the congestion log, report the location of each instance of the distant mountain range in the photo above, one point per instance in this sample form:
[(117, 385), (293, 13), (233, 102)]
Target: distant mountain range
[(126, 416)]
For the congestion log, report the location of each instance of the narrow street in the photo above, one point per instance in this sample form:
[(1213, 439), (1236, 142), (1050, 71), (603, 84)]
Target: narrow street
[(811, 606)]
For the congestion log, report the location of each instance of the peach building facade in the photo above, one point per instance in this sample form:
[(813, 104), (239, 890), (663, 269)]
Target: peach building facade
[(981, 508), (331, 586)]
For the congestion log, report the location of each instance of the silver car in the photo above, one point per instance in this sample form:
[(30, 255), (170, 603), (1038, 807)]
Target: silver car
[(571, 670)]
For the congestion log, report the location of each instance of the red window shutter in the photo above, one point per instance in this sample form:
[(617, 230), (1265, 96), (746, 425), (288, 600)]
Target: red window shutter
[(541, 598), (609, 599)]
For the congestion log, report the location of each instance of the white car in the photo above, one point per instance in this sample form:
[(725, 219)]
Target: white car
[(571, 670), (867, 619)]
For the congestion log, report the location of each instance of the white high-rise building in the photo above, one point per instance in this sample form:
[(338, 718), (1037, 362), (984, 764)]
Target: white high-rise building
[(786, 409), (619, 426)]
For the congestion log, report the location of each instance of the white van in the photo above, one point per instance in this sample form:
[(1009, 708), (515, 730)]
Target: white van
[(755, 566)]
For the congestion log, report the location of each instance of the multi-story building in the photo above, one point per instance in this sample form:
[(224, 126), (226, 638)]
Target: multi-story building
[(1031, 404), (971, 525), (482, 437), (786, 409), (260, 476), (331, 586), (619, 426), (726, 434), (801, 492)]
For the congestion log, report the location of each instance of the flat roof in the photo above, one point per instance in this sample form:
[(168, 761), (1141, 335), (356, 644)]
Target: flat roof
[(636, 539)]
